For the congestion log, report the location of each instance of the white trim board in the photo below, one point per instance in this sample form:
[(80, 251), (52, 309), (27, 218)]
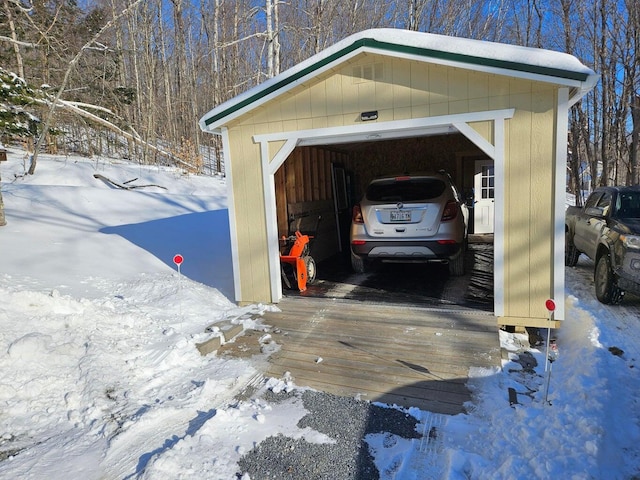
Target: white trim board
[(231, 207), (562, 125)]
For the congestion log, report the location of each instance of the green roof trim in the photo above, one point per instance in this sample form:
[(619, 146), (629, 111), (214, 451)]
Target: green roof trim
[(490, 62), (286, 81), (405, 49)]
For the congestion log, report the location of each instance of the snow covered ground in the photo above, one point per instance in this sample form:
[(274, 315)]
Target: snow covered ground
[(100, 377)]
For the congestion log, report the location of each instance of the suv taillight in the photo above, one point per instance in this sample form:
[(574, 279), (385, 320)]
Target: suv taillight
[(357, 215), (450, 211)]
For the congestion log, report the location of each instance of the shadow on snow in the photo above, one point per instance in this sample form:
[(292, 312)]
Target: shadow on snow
[(201, 238)]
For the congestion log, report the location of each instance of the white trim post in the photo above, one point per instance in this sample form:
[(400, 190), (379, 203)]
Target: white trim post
[(560, 187), (498, 231), (269, 168), (233, 227)]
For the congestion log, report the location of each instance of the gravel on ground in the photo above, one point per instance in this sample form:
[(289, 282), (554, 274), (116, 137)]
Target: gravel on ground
[(345, 420)]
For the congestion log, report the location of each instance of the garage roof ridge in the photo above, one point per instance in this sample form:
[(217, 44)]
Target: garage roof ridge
[(390, 40)]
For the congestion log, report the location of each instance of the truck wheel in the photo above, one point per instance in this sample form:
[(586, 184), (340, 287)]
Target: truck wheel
[(312, 271), (607, 289), (571, 253), (357, 263)]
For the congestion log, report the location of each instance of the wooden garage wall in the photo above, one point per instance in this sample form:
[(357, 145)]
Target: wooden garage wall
[(423, 154), (304, 191), (401, 89)]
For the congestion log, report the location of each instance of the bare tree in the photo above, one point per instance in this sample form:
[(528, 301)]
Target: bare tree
[(633, 70), (47, 123), (166, 63), (634, 154), (15, 42), (527, 22), (415, 12), (576, 138), (273, 42)]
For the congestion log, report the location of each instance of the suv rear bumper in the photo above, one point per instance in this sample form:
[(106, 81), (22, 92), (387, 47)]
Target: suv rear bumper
[(411, 250)]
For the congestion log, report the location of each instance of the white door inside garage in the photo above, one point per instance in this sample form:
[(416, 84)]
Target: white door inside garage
[(484, 196)]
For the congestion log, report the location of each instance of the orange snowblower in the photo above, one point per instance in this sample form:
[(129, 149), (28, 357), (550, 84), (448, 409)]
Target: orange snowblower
[(296, 256)]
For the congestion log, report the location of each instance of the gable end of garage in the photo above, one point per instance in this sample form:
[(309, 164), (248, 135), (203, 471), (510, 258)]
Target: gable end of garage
[(288, 80)]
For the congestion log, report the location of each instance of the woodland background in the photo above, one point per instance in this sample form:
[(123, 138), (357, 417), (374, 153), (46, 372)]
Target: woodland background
[(132, 77)]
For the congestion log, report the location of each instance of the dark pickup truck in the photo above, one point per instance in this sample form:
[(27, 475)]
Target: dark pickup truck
[(607, 230)]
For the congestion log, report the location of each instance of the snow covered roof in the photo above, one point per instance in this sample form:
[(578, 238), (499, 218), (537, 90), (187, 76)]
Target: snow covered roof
[(490, 57)]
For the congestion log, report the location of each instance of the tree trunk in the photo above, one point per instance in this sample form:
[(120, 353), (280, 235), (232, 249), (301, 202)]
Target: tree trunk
[(635, 141), (270, 38), (3, 220), (14, 37)]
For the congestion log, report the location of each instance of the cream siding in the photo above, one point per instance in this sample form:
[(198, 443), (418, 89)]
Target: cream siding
[(331, 98), (478, 86), (401, 83), (250, 218), (274, 148), (499, 91), (517, 204), (529, 180), (319, 109), (542, 175), (485, 129), (438, 85), (420, 84)]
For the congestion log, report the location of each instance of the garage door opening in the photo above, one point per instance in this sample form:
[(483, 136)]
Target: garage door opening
[(317, 186)]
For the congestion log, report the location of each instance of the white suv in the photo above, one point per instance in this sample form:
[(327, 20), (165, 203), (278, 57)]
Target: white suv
[(410, 219)]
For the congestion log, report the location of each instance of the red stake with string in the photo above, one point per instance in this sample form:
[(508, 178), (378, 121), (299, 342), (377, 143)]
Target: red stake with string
[(178, 259), (551, 307)]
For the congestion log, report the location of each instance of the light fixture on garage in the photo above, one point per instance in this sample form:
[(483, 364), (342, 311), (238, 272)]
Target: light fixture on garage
[(366, 116)]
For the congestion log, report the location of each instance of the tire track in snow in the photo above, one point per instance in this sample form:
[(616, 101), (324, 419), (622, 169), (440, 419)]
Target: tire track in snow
[(156, 431)]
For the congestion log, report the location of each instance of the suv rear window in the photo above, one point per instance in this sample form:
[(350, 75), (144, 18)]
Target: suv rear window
[(411, 190)]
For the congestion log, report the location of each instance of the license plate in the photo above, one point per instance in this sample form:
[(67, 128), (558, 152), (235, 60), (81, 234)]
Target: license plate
[(400, 216)]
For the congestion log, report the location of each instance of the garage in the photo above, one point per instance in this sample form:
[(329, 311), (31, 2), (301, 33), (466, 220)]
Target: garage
[(303, 145)]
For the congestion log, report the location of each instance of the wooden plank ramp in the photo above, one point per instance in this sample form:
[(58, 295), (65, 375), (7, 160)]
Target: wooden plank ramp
[(412, 357)]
